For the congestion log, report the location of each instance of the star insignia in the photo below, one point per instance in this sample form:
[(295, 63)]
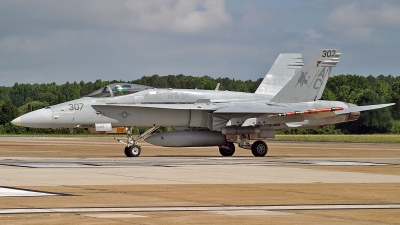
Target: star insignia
[(124, 114)]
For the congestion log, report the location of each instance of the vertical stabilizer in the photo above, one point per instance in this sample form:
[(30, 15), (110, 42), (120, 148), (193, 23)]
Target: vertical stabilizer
[(309, 82), (281, 72)]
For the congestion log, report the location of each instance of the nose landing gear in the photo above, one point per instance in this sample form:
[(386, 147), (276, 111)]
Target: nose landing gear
[(132, 149)]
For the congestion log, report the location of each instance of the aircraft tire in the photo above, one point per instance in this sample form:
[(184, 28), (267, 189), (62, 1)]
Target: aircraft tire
[(227, 150), (133, 151), (259, 149)]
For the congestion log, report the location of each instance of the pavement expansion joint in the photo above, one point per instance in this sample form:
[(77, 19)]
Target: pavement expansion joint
[(226, 209), (338, 163)]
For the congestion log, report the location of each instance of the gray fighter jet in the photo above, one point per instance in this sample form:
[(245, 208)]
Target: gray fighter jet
[(288, 97)]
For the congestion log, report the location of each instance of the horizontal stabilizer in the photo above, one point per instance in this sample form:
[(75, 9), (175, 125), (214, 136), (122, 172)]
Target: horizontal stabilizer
[(362, 108)]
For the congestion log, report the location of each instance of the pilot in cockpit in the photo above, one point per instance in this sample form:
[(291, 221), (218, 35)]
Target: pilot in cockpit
[(117, 89)]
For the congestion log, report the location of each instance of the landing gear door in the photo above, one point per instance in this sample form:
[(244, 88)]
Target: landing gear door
[(198, 118)]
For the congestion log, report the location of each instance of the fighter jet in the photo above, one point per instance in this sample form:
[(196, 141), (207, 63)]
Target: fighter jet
[(288, 97)]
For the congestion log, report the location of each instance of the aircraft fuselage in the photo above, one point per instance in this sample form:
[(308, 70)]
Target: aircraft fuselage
[(87, 111)]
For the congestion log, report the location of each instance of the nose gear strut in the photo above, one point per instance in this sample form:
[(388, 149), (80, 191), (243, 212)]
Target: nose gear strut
[(132, 149)]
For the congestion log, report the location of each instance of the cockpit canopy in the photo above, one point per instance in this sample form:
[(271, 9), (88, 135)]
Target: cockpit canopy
[(118, 89)]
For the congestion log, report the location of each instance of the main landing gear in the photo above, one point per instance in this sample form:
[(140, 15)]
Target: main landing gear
[(132, 149), (258, 148), (227, 149)]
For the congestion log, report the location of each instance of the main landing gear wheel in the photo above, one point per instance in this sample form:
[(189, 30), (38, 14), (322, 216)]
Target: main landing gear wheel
[(259, 148), (227, 149), (133, 151)]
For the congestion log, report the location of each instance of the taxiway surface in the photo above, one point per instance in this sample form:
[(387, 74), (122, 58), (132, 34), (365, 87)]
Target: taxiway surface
[(78, 180)]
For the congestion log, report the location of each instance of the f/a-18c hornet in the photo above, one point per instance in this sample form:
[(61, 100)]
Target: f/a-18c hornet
[(288, 97)]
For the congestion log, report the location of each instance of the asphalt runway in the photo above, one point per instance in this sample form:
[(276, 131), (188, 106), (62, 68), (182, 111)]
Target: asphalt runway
[(90, 181)]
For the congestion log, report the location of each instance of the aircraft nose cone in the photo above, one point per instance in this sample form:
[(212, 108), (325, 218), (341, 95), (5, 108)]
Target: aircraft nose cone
[(17, 121), (41, 118)]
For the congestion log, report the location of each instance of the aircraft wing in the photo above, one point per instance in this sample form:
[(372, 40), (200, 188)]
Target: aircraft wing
[(231, 110), (363, 108), (276, 111), (220, 108)]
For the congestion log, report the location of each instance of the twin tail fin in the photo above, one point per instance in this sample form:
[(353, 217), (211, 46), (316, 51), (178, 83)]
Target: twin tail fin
[(309, 82)]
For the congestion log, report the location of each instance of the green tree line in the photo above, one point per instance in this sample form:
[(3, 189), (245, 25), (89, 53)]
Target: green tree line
[(22, 98)]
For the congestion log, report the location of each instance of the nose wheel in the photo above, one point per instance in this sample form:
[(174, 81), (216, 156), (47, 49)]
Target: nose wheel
[(133, 151)]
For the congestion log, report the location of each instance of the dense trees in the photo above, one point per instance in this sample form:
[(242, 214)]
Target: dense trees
[(8, 112), (365, 91), (360, 90)]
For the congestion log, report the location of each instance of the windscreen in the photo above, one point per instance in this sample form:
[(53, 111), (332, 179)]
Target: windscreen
[(118, 89)]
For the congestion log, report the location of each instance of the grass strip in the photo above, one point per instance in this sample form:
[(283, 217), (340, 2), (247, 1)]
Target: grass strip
[(374, 138)]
